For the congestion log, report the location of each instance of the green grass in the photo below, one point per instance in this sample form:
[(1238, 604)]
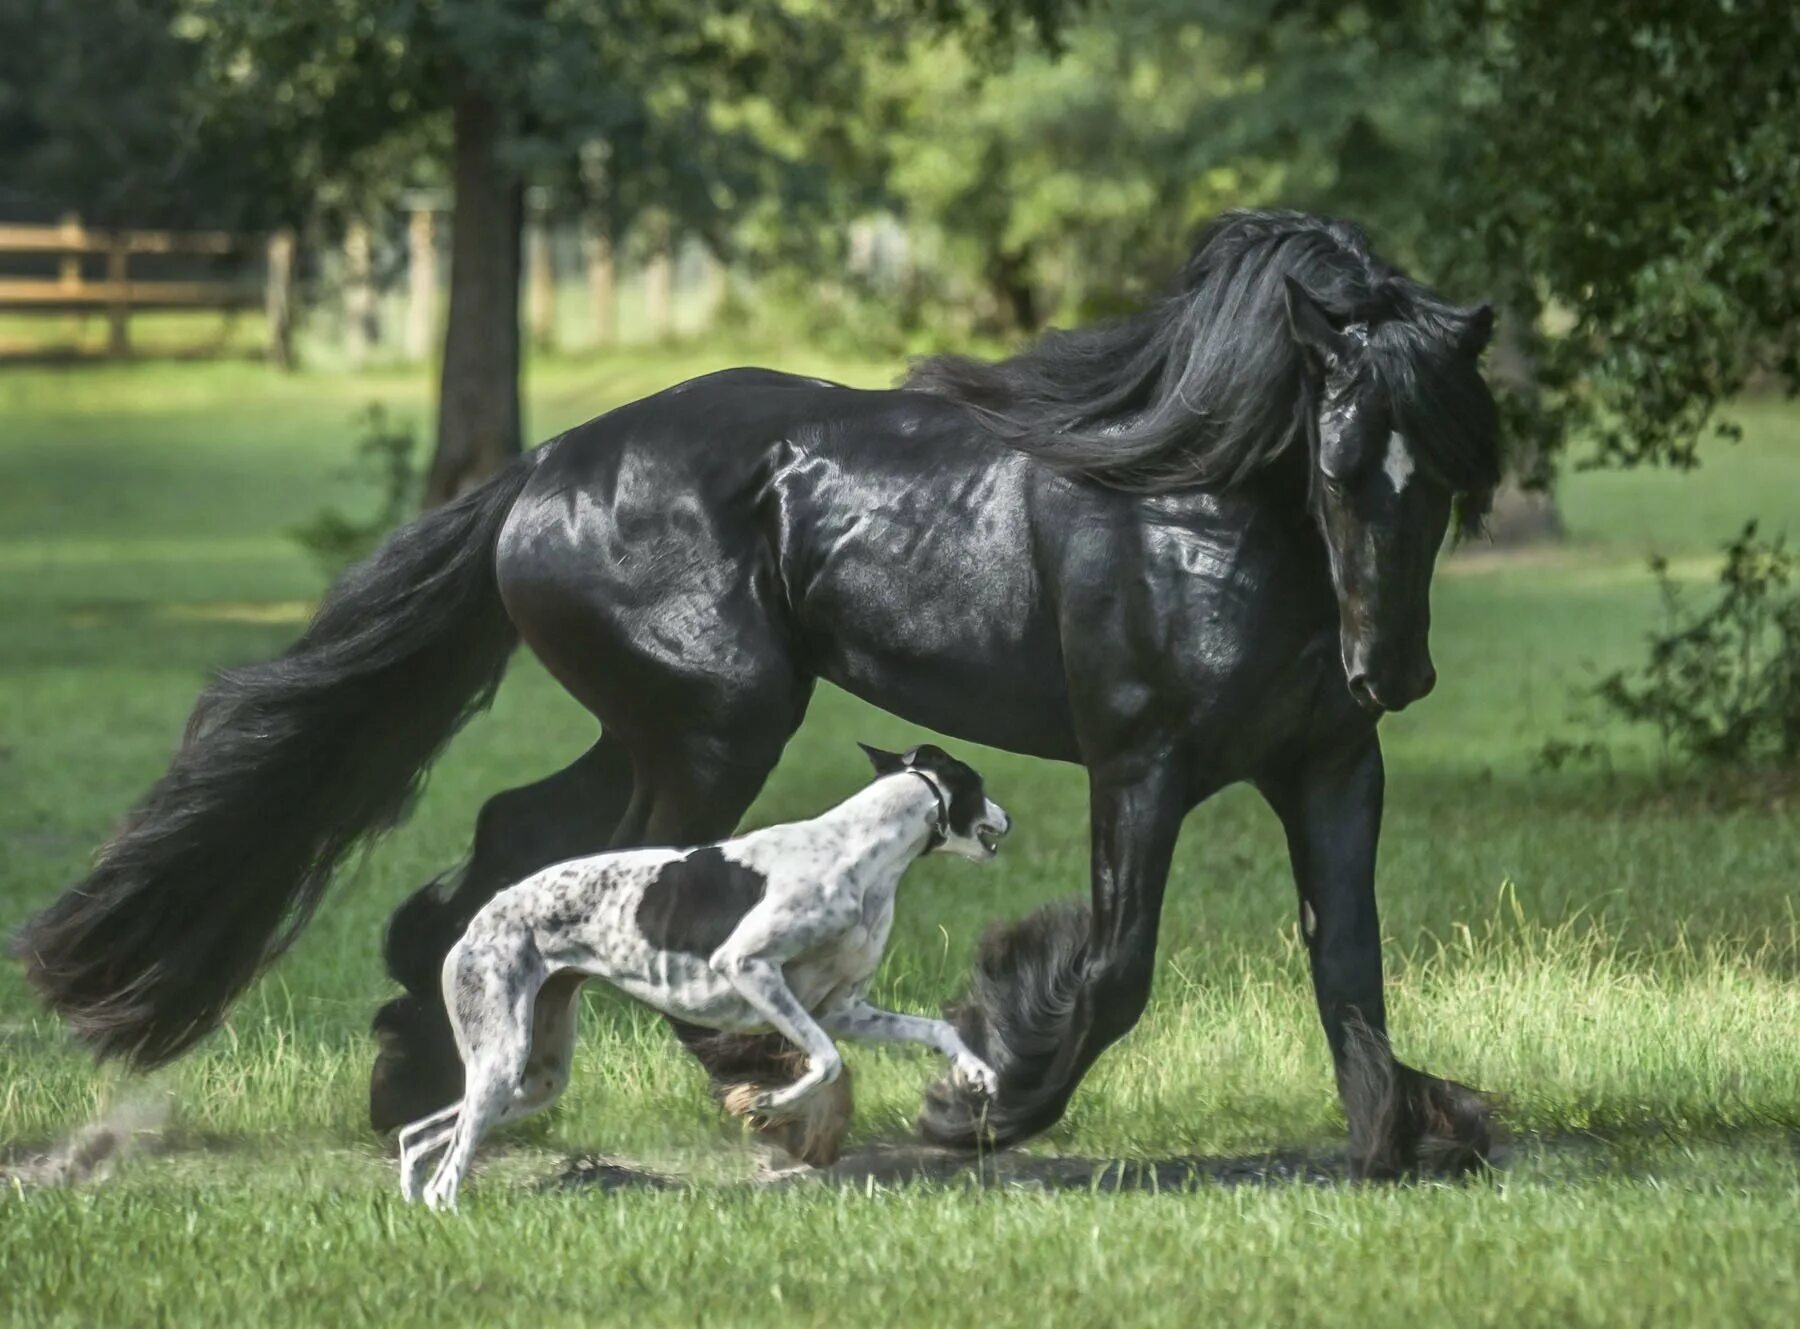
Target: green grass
[(1620, 959)]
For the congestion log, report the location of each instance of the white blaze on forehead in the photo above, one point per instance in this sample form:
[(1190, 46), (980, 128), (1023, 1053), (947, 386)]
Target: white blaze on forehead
[(1398, 464)]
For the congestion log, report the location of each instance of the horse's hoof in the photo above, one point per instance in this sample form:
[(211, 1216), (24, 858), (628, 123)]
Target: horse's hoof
[(1455, 1130), (417, 1070), (955, 1116), (811, 1130), (1423, 1126)]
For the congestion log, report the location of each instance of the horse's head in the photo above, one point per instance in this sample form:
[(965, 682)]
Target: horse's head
[(1404, 433)]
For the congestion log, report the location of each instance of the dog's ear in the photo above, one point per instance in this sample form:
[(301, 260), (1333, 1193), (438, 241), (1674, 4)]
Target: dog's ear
[(884, 762)]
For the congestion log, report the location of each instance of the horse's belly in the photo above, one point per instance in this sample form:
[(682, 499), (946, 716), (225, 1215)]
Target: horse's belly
[(908, 626)]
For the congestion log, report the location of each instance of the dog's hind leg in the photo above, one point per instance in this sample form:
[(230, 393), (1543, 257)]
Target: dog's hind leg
[(545, 1077), (547, 1065), (491, 985), (859, 1020), (580, 810), (419, 1141)]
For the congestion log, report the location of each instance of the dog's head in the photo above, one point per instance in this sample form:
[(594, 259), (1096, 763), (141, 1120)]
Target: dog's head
[(972, 823)]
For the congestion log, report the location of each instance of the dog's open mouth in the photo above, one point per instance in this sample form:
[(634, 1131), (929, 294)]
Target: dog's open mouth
[(990, 839)]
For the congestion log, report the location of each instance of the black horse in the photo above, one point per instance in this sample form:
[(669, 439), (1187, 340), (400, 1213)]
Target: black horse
[(1186, 549)]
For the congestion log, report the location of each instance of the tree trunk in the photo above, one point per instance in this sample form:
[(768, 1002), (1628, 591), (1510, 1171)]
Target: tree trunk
[(540, 283), (1520, 516), (359, 293), (478, 395), (278, 298), (1009, 276)]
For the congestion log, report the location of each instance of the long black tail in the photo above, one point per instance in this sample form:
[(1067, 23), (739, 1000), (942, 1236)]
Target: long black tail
[(285, 765)]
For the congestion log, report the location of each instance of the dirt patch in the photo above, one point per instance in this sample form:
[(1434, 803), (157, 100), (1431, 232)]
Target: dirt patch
[(92, 1153)]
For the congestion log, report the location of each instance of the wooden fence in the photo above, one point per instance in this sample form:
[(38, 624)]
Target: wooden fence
[(360, 282), (118, 293)]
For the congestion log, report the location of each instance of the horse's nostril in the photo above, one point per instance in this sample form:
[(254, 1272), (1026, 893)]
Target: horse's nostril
[(1364, 692)]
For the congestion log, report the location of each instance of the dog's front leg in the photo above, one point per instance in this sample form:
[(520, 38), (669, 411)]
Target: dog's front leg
[(759, 982), (859, 1020)]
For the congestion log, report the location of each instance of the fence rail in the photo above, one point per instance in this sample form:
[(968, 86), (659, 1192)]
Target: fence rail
[(118, 293), (74, 238)]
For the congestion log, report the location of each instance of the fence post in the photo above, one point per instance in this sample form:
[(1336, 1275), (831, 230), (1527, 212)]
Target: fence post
[(718, 284), (597, 257), (278, 298), (659, 282), (359, 293), (118, 311), (68, 272), (540, 277), (421, 280)]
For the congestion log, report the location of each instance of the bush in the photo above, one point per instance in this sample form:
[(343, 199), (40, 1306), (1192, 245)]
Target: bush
[(1722, 684), (384, 461)]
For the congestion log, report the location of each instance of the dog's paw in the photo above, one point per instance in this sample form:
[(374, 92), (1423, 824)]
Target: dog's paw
[(974, 1073)]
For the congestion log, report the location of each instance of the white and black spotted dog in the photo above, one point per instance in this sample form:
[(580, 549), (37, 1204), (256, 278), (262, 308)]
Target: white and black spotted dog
[(779, 929)]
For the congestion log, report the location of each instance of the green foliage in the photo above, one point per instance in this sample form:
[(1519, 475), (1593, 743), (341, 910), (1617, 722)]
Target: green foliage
[(1722, 684), (1636, 167), (99, 115), (1068, 187), (1622, 178), (386, 462)]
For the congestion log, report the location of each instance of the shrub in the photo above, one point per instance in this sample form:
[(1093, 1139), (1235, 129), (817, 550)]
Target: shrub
[(1722, 684), (384, 461)]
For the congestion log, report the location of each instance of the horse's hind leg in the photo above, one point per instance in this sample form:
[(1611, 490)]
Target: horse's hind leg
[(576, 811), (692, 671)]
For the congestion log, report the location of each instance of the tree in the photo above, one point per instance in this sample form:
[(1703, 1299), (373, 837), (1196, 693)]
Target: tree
[(523, 87), (1630, 167), (1070, 186), (98, 116)]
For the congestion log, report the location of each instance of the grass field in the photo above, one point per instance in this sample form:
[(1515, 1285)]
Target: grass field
[(1621, 959)]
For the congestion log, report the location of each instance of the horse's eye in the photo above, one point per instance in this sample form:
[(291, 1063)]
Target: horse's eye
[(1334, 486)]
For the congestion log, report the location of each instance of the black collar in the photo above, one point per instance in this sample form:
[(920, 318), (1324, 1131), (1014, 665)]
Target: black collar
[(942, 819)]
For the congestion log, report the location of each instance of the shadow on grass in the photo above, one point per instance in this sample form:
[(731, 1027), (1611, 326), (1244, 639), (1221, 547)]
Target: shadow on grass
[(897, 1163), (1635, 1149)]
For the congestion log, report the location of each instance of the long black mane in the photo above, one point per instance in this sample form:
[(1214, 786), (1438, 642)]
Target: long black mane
[(1205, 386)]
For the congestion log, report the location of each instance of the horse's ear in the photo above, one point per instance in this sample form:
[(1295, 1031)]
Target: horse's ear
[(1311, 327), (1477, 330), (884, 762)]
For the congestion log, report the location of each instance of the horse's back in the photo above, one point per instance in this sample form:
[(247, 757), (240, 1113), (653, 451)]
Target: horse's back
[(750, 528)]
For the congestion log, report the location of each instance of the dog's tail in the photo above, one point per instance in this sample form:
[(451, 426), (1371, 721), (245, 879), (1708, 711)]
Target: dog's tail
[(285, 765)]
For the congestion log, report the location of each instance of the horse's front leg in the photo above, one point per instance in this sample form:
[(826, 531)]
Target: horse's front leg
[(1401, 1120), (1053, 991)]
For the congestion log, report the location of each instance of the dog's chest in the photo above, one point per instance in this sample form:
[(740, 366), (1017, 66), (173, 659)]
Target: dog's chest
[(850, 959)]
